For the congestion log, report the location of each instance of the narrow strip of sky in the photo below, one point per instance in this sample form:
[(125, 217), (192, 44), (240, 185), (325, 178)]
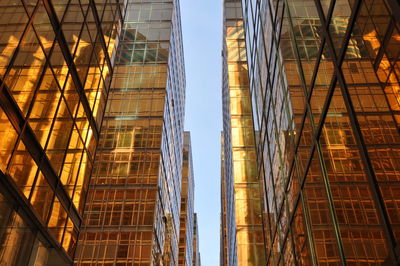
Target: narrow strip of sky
[(202, 37)]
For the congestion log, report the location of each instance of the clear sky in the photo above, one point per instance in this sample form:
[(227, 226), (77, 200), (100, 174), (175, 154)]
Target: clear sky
[(202, 38)]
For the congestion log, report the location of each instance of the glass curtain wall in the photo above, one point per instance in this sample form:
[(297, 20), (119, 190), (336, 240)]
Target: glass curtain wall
[(196, 252), (224, 216), (239, 147), (325, 92), (186, 233), (56, 62), (133, 209)]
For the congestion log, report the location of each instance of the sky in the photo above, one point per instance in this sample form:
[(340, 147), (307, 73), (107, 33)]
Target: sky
[(202, 39)]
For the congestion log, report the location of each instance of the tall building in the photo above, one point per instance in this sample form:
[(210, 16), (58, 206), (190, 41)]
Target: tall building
[(324, 82), (132, 213), (186, 235), (196, 244), (56, 63), (226, 216), (242, 224), (92, 100)]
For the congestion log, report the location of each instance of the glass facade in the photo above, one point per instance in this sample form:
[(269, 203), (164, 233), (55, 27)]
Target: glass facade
[(324, 82), (195, 248), (92, 98), (187, 206), (225, 219), (242, 230), (132, 212), (56, 63)]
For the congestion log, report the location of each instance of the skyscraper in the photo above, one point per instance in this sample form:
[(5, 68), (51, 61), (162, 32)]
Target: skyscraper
[(133, 209), (196, 244), (56, 62), (324, 82), (186, 235), (63, 67), (242, 225)]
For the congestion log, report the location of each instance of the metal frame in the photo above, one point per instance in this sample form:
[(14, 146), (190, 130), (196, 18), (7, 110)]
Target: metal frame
[(338, 78), (25, 133), (20, 205)]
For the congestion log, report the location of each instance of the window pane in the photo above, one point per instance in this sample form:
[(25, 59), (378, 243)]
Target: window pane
[(8, 138), (42, 197), (26, 71), (57, 220), (23, 169)]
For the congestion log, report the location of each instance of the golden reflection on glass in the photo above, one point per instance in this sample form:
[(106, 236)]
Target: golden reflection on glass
[(70, 170), (23, 169), (58, 140), (373, 103), (350, 190), (42, 197), (13, 19), (57, 220), (16, 236), (82, 182), (8, 137), (43, 88), (58, 65), (247, 198), (70, 237), (185, 255), (72, 24), (25, 72), (82, 54), (128, 156), (337, 217), (82, 122), (44, 107), (306, 37), (43, 27)]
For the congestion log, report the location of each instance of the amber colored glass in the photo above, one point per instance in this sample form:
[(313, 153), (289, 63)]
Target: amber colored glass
[(82, 182), (11, 32), (246, 187), (8, 137), (16, 240), (57, 220), (48, 142), (23, 169), (25, 72), (132, 140), (42, 197), (44, 107), (325, 103), (187, 223), (70, 238)]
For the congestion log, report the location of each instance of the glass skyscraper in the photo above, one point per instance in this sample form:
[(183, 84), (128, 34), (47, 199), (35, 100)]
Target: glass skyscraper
[(92, 100), (56, 62), (133, 209), (325, 90), (196, 244), (187, 234), (242, 224)]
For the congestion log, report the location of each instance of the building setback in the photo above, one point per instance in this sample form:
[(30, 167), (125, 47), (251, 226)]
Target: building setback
[(242, 225), (91, 125), (324, 82)]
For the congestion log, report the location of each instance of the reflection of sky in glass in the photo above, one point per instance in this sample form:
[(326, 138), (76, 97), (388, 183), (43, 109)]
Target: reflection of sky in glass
[(202, 36)]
